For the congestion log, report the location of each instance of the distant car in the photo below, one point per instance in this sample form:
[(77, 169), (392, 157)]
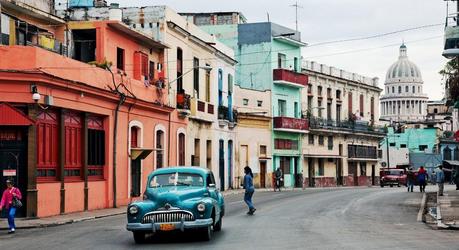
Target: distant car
[(177, 198), (392, 177)]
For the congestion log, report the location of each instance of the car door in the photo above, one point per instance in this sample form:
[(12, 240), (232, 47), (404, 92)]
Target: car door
[(213, 191)]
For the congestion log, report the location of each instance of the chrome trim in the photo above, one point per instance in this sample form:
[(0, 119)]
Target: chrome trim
[(167, 216)]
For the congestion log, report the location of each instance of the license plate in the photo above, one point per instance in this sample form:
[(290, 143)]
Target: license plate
[(166, 227)]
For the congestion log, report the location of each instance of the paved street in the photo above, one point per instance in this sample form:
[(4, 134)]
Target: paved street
[(364, 218)]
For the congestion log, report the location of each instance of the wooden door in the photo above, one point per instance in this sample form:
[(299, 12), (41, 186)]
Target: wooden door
[(262, 174)]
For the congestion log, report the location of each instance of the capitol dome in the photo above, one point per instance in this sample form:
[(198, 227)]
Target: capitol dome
[(403, 69), (403, 98)]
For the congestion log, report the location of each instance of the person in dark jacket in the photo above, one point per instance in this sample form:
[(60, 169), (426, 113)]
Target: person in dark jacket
[(411, 178), (278, 179), (249, 189)]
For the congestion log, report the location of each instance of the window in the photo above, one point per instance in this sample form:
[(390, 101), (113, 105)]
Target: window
[(414, 89), (84, 44), (406, 89), (259, 103), (179, 71), (349, 105), (329, 93), (141, 64), (263, 150), (338, 94), (321, 169), (363, 169), (47, 145), (319, 108), (196, 77), (446, 153), (209, 154), (284, 163), (295, 64), (319, 90), (402, 145), (134, 137), (151, 73), (73, 138), (282, 107), (195, 159), (392, 144), (361, 105), (419, 89), (423, 147), (207, 84), (160, 149), (285, 144), (399, 89), (96, 147), (329, 111), (309, 89), (330, 143), (220, 87), (181, 149), (321, 140), (311, 139), (281, 61), (120, 58), (393, 89), (245, 102), (210, 179)]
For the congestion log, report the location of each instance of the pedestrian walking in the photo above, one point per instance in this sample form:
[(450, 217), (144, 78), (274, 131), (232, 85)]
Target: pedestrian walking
[(433, 178), (411, 178), (440, 180), (11, 201), (422, 179), (249, 189), (278, 179)]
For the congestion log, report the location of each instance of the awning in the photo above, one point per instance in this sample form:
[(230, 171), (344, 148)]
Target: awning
[(323, 156), (141, 153), (452, 163), (10, 116)]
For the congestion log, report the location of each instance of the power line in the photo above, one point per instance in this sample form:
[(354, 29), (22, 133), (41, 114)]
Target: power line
[(377, 35)]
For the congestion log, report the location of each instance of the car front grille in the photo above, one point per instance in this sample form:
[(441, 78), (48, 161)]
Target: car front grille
[(167, 217)]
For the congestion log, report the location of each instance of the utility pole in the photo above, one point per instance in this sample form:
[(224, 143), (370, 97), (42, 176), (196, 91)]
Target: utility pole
[(296, 13)]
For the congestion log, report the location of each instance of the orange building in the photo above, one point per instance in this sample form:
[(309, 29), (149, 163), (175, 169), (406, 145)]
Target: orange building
[(84, 113)]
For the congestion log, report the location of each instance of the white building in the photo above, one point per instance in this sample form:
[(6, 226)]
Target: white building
[(403, 99)]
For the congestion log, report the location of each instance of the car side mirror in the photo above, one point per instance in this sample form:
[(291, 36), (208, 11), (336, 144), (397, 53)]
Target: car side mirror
[(212, 185)]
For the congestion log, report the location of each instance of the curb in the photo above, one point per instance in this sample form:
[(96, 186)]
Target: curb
[(422, 209)]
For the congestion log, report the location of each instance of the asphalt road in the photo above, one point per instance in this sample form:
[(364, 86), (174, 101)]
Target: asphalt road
[(362, 218)]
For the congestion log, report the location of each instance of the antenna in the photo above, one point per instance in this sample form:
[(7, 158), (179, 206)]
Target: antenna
[(296, 13)]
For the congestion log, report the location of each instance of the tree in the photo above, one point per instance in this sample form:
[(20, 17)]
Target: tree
[(451, 75)]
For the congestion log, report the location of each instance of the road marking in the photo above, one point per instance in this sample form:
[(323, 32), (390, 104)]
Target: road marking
[(423, 207)]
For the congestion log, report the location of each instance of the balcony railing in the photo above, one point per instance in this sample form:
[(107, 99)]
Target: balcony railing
[(289, 76), (345, 125), (362, 152), (291, 123), (183, 101), (224, 113)]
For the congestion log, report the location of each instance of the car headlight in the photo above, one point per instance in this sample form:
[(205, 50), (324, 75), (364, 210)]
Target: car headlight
[(133, 210), (201, 207)]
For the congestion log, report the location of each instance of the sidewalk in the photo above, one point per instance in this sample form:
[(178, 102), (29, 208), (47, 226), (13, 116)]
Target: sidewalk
[(448, 206)]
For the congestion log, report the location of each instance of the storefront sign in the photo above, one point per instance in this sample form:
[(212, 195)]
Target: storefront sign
[(9, 172)]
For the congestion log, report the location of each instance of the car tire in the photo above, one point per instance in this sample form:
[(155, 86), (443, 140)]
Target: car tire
[(391, 185), (398, 185), (218, 225), (139, 237), (206, 233), (382, 185)]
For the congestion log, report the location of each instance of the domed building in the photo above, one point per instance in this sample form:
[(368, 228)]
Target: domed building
[(403, 99)]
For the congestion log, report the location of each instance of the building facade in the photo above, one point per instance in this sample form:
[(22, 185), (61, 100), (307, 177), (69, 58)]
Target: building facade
[(403, 100), (86, 117), (343, 141)]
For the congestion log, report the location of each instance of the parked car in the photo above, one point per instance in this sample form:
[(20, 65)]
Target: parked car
[(177, 198), (392, 177)]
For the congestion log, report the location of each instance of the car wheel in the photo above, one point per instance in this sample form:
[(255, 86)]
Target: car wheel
[(382, 185), (218, 225), (391, 185), (206, 233), (398, 185), (139, 237)]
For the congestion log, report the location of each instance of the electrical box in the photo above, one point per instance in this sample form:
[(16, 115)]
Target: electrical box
[(49, 100)]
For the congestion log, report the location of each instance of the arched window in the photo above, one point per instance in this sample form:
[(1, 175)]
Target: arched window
[(181, 149), (159, 149), (399, 89), (393, 89), (179, 70), (414, 89), (406, 89)]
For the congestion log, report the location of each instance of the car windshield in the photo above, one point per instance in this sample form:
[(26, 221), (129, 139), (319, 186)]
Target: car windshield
[(176, 179)]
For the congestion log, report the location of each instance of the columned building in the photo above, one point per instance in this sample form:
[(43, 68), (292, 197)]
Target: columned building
[(403, 100)]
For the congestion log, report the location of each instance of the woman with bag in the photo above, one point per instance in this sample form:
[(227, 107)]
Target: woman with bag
[(11, 200), (249, 189)]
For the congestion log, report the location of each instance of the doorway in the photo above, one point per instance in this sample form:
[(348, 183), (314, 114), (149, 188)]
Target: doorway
[(262, 174), (221, 163), (311, 172), (135, 178), (373, 174), (353, 172), (13, 161)]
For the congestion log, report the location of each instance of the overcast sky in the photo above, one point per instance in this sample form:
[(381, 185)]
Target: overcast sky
[(322, 21)]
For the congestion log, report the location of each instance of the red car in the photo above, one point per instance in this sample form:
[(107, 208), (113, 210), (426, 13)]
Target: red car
[(391, 177)]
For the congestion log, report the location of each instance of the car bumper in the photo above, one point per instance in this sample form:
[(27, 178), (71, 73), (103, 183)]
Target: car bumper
[(390, 182), (153, 227)]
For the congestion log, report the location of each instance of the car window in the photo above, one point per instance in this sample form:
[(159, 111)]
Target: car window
[(210, 179), (176, 179)]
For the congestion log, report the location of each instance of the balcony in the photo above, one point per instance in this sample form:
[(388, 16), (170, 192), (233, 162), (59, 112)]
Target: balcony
[(346, 126), (290, 124), (183, 104), (291, 78), (362, 152), (226, 117)]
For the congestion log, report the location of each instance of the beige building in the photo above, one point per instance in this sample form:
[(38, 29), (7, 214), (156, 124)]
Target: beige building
[(342, 145), (254, 135)]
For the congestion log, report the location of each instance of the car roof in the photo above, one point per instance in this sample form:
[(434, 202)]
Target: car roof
[(192, 170)]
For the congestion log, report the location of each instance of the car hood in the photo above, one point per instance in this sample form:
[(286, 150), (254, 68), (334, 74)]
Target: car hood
[(175, 194)]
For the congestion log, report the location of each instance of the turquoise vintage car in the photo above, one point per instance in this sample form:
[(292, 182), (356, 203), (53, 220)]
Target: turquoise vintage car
[(177, 198)]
